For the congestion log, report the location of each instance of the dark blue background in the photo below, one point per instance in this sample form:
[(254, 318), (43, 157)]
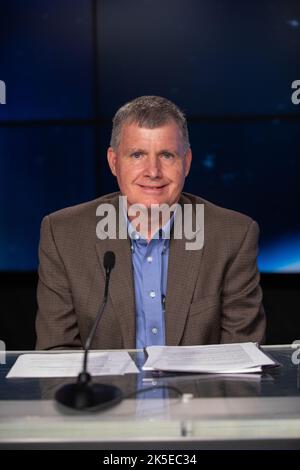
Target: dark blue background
[(69, 64)]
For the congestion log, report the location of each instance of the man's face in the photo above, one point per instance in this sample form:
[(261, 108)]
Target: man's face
[(150, 164)]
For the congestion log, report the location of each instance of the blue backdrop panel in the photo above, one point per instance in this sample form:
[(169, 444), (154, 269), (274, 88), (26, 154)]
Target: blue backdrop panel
[(41, 170), (211, 57), (46, 59)]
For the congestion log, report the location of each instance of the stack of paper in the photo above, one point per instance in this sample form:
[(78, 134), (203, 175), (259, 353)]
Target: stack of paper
[(237, 358), (70, 364)]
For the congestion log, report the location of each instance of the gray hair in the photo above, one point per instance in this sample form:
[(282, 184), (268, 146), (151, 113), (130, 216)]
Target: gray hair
[(149, 112)]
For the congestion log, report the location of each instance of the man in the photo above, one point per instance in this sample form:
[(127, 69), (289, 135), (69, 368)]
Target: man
[(160, 291)]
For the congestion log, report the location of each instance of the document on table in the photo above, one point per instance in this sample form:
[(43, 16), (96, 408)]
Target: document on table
[(237, 358), (70, 364)]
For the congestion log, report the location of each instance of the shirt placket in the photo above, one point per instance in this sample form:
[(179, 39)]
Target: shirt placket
[(152, 294)]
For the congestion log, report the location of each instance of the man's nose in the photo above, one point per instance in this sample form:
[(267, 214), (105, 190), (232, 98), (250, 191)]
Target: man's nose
[(153, 166)]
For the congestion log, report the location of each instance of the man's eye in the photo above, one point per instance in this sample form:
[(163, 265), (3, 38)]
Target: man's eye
[(167, 156), (136, 155)]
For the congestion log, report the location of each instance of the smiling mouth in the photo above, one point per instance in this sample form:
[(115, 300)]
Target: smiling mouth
[(152, 188)]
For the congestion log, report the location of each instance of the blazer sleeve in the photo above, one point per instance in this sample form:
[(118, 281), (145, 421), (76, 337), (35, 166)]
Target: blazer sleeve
[(56, 322), (243, 316)]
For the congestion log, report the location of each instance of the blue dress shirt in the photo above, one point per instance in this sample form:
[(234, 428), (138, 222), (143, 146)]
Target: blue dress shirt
[(150, 271)]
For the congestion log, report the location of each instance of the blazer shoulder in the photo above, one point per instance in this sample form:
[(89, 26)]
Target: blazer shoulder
[(220, 217), (82, 211)]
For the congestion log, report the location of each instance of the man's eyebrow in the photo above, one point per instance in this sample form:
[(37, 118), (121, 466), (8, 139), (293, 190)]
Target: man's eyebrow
[(167, 151), (143, 151), (135, 150)]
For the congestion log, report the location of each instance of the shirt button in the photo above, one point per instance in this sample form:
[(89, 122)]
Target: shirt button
[(149, 259), (135, 235), (154, 331), (152, 294)]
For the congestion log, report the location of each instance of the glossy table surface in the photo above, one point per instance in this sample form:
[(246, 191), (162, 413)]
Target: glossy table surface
[(216, 411)]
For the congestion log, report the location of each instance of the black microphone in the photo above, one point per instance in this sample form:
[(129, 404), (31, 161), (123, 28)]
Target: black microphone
[(83, 395)]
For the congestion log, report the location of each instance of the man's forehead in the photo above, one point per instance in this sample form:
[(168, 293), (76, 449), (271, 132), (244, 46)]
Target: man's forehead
[(132, 134)]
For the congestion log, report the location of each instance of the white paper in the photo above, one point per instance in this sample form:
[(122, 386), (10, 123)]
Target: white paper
[(220, 358), (70, 364)]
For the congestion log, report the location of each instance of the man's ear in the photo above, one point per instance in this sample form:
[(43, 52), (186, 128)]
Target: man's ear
[(187, 162), (112, 160)]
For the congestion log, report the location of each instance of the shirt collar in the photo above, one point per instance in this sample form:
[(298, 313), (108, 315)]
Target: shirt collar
[(162, 233)]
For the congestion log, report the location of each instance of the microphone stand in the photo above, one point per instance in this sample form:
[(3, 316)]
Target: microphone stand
[(83, 395)]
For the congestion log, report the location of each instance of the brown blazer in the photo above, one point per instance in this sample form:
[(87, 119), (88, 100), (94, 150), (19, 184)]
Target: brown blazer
[(213, 294)]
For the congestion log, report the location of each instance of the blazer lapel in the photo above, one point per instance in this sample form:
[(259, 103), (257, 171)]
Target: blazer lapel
[(121, 287), (183, 271)]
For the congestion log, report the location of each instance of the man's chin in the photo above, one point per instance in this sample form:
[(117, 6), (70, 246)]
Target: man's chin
[(152, 202), (148, 200)]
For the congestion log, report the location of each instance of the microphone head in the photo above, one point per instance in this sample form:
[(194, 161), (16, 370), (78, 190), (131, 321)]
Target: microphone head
[(109, 260)]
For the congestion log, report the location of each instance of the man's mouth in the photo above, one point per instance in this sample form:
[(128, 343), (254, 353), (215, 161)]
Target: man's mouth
[(152, 188)]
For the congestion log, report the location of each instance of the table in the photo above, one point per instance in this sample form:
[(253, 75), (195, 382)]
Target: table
[(258, 411)]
